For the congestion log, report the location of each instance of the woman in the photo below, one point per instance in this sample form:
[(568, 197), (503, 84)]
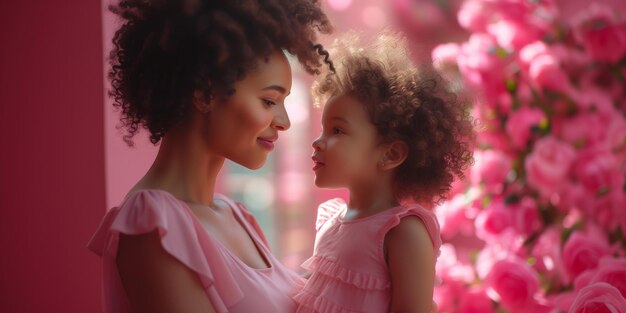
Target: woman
[(208, 80)]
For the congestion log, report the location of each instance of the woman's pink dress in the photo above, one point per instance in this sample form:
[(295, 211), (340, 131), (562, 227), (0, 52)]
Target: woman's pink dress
[(349, 271), (231, 285)]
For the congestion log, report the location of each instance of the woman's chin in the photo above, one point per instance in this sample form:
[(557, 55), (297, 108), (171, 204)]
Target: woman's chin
[(252, 164)]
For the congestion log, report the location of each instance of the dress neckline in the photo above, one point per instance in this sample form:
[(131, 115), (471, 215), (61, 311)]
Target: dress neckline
[(341, 213), (260, 249)]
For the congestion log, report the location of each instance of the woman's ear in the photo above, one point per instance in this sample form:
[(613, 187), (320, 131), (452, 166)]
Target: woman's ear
[(394, 155), (202, 105)]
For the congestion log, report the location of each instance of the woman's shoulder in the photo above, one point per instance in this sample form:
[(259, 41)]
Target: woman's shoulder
[(141, 212)]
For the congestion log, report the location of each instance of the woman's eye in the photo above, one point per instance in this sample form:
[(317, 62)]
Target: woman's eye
[(268, 102)]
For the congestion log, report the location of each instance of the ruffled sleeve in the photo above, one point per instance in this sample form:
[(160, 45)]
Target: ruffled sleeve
[(328, 210), (148, 210), (428, 218)]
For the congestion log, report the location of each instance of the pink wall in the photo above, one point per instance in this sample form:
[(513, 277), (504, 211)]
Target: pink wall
[(52, 193)]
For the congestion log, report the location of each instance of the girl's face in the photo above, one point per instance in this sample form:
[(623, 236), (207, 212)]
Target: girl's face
[(245, 126), (347, 152)]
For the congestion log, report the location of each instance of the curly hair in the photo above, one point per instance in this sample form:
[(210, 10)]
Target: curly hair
[(167, 50), (407, 104)]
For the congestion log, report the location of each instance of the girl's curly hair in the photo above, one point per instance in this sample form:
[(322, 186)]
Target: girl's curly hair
[(166, 50), (407, 104)]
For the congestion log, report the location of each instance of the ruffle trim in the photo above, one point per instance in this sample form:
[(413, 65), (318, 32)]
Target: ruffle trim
[(309, 303), (334, 270), (328, 210)]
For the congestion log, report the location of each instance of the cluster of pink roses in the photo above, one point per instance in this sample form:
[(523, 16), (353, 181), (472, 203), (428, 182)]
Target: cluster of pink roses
[(539, 225)]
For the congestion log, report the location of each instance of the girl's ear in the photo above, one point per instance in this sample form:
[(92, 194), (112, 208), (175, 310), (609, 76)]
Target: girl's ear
[(394, 155), (200, 104)]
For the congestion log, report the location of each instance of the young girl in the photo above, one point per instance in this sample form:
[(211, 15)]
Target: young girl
[(208, 80), (394, 138)]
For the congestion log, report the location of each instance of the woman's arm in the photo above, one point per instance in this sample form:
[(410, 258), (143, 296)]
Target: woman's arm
[(411, 260), (155, 281)]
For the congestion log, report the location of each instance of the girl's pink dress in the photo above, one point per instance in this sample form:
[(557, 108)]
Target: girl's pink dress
[(231, 285), (349, 272)]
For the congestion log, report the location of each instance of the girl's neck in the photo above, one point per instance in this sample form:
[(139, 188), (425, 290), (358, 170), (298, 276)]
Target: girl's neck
[(184, 168), (368, 201)]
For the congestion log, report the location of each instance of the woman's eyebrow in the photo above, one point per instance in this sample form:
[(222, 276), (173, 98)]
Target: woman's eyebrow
[(278, 88)]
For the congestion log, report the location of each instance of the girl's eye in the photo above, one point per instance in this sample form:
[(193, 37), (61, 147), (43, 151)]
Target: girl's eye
[(268, 102), (337, 131)]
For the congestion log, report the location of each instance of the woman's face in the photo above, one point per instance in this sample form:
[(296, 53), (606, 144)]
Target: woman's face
[(245, 126)]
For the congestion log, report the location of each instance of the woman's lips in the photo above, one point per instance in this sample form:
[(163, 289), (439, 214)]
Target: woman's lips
[(268, 144)]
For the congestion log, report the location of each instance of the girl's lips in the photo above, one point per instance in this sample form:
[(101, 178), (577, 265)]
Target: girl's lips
[(317, 164), (265, 143)]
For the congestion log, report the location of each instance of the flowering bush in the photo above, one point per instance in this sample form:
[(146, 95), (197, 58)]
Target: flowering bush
[(539, 225)]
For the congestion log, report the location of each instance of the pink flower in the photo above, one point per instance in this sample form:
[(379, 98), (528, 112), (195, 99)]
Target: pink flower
[(546, 73), (594, 98), (452, 216), (520, 124), (526, 218), (493, 140), (562, 301), (599, 297), (442, 295), (481, 62), (449, 267), (610, 270), (581, 130), (548, 165), (602, 35), (474, 15), (606, 43), (583, 251), (597, 170), (616, 136), (513, 35), (493, 220), (491, 167), (446, 53), (547, 252), (514, 283), (530, 52), (476, 301)]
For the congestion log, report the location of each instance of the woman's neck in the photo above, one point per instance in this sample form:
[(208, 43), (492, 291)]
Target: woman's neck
[(184, 168)]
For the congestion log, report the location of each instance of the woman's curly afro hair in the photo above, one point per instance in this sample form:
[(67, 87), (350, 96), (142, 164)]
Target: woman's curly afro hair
[(407, 104), (167, 50)]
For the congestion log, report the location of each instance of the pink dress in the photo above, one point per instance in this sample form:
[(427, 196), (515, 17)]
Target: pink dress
[(231, 285), (349, 271)]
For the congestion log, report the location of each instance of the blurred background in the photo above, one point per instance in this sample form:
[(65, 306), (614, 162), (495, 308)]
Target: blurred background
[(538, 225)]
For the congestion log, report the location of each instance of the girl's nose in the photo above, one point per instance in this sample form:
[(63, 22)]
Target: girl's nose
[(317, 144)]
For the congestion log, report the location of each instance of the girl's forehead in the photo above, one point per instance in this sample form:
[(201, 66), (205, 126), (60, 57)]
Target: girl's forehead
[(345, 107)]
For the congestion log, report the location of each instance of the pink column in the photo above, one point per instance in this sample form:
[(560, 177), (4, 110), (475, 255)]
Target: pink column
[(52, 155)]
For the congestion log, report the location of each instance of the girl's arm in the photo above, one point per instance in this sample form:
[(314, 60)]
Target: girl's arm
[(411, 260), (155, 281)]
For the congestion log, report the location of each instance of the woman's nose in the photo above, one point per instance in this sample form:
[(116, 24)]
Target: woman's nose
[(281, 120)]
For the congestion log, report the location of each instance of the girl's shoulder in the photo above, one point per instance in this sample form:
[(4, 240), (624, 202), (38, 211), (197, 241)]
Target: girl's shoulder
[(426, 219)]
